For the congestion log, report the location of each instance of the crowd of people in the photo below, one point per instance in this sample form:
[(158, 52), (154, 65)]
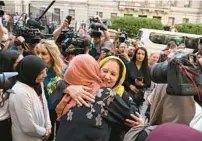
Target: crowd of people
[(104, 94)]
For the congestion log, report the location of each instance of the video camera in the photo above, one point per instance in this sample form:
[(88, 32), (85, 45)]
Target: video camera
[(96, 26), (5, 83), (31, 30), (181, 73), (71, 44), (123, 36), (94, 20)]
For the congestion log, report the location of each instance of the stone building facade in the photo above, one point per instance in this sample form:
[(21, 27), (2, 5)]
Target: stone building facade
[(170, 12)]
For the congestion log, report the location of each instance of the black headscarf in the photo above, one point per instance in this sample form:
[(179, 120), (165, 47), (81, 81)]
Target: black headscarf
[(7, 60), (29, 68)]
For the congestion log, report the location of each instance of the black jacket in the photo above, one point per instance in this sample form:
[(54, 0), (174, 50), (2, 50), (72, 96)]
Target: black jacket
[(94, 123)]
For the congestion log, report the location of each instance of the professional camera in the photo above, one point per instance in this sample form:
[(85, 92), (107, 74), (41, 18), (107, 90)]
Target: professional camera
[(123, 36), (96, 26), (182, 74), (31, 35), (94, 20), (31, 30), (5, 83), (70, 43)]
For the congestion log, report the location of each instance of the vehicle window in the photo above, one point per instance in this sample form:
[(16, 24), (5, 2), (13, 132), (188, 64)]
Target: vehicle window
[(160, 38), (157, 38), (191, 42), (177, 39)]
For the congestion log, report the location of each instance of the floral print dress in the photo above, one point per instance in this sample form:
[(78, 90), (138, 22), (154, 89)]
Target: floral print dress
[(94, 123)]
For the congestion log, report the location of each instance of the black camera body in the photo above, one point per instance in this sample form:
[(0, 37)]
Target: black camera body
[(182, 76), (94, 20), (68, 38), (5, 83), (96, 27), (140, 78), (123, 36), (31, 30)]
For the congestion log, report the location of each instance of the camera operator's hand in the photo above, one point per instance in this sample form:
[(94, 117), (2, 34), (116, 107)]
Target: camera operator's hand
[(1, 91), (134, 89), (125, 55), (65, 24), (80, 94), (139, 83)]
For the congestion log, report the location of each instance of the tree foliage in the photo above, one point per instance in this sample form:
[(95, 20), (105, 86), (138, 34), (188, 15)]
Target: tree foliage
[(189, 28), (132, 24)]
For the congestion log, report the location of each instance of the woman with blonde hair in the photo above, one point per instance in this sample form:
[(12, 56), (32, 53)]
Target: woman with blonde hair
[(49, 52)]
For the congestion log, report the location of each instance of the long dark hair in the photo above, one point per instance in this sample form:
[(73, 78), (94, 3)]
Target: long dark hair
[(145, 61), (144, 68)]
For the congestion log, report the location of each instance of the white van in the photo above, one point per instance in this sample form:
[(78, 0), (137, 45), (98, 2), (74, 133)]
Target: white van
[(156, 40)]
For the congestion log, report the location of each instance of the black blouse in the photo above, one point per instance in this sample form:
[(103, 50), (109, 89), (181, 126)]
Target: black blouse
[(94, 123), (133, 73)]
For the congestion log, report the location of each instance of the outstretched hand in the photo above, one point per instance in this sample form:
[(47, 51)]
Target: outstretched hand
[(134, 121)]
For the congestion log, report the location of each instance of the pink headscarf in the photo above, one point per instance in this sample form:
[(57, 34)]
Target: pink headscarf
[(174, 132), (83, 70)]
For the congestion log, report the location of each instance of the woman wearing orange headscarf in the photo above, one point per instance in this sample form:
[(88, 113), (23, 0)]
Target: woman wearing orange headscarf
[(90, 123)]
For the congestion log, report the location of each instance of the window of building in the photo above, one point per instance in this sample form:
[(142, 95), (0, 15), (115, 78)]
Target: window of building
[(41, 10), (128, 14), (171, 21), (157, 17), (113, 15), (143, 16), (100, 14), (187, 3), (185, 20), (159, 3), (173, 3), (56, 15), (72, 13)]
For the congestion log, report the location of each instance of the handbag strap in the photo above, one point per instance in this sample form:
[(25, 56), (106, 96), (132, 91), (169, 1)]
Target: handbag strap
[(189, 73)]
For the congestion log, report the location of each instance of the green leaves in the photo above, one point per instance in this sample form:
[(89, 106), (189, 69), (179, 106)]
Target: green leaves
[(132, 24), (189, 28)]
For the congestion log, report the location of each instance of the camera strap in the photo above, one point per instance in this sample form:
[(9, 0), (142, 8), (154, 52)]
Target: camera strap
[(190, 74)]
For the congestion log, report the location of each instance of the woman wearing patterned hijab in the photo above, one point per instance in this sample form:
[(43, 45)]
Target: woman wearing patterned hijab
[(28, 105)]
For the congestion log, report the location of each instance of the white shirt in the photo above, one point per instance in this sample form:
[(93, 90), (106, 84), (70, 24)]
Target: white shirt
[(4, 114), (30, 116)]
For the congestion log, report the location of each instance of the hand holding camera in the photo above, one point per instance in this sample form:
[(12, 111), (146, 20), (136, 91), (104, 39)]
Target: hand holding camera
[(139, 81), (124, 54), (67, 22)]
